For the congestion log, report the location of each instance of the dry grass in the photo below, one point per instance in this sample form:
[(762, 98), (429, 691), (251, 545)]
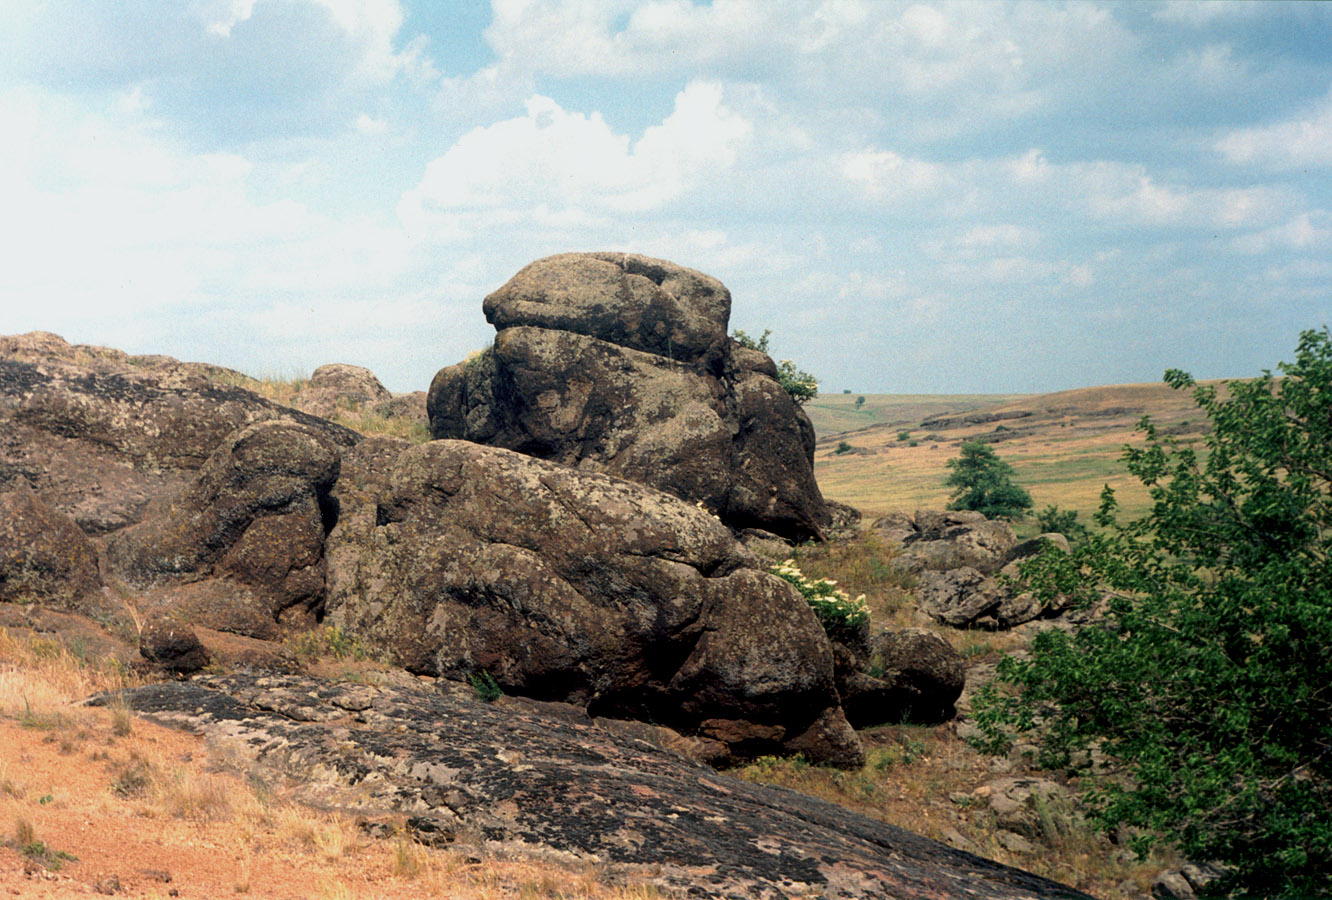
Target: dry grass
[(137, 797), (866, 565), (922, 777), (1065, 447), (287, 389)]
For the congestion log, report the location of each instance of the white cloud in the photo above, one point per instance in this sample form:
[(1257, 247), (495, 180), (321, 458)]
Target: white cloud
[(1201, 13), (564, 160), (221, 18), (111, 229), (885, 174), (1300, 233), (1293, 144)]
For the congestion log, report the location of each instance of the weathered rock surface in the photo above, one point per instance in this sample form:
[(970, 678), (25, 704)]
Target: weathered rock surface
[(574, 586), (98, 434), (339, 387), (518, 781), (243, 546), (925, 673), (965, 565), (619, 363), (940, 541), (630, 300), (172, 645), (44, 557)]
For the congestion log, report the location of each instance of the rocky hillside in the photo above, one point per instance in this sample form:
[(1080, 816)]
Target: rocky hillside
[(579, 551)]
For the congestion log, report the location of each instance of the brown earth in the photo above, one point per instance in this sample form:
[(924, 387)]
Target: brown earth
[(95, 800)]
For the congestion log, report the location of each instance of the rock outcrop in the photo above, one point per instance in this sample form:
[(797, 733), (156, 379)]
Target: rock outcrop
[(575, 586), (44, 557), (339, 387), (243, 547), (99, 434), (965, 565), (463, 771), (941, 541), (617, 363)]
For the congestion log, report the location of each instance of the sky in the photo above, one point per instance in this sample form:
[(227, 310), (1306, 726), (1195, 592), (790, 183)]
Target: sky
[(915, 197)]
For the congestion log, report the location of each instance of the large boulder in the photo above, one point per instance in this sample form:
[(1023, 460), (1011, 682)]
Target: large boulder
[(339, 387), (618, 363), (926, 673), (629, 300), (100, 434), (243, 547), (965, 597), (575, 586), (44, 557), (943, 540)]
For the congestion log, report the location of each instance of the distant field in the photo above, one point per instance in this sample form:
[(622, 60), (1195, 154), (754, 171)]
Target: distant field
[(1065, 447), (837, 413)]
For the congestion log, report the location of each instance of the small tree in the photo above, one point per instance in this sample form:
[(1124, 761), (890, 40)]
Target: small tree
[(983, 482), (801, 385), (1207, 686), (1063, 521)]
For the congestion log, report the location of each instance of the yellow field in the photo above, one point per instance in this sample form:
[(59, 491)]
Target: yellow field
[(1065, 447)]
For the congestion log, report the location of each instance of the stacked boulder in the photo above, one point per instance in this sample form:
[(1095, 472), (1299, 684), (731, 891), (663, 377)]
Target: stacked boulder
[(574, 586), (587, 557), (621, 364)]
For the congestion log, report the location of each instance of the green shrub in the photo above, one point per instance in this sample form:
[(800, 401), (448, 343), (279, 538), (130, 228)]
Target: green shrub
[(842, 447), (484, 687), (1053, 520), (1205, 687), (801, 385), (840, 615)]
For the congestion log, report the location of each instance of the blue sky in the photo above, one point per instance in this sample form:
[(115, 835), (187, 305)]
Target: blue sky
[(915, 197)]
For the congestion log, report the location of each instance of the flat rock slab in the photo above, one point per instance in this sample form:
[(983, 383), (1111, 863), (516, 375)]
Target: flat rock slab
[(517, 779)]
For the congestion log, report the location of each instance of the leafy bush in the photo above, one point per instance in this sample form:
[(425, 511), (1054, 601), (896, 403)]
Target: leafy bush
[(801, 385), (840, 615), (983, 482), (842, 447), (1054, 520), (484, 687), (1206, 684)]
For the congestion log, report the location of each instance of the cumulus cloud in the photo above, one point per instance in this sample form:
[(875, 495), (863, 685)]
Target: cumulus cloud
[(229, 70), (564, 160), (1306, 231), (885, 174), (1293, 144)]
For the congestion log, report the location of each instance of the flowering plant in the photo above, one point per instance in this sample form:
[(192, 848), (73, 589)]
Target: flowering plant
[(839, 614)]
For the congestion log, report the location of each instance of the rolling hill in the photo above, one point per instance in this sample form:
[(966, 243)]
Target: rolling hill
[(1065, 446)]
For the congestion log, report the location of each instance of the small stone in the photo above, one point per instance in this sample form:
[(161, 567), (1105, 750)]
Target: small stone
[(172, 645), (1014, 843), (1171, 885)]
